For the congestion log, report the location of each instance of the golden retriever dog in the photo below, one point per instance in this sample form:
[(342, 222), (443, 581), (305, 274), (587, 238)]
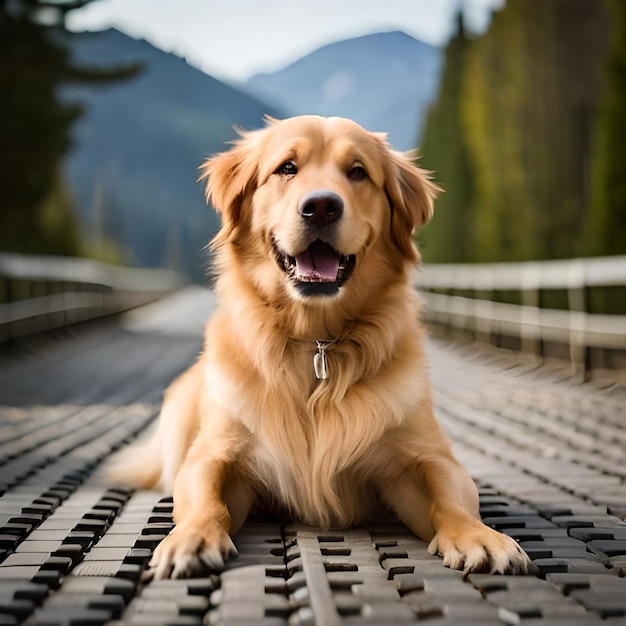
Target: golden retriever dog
[(311, 395)]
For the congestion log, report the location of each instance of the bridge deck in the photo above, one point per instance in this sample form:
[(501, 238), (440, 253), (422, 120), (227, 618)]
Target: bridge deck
[(547, 455)]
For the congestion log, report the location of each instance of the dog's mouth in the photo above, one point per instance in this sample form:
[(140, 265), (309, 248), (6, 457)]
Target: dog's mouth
[(318, 270)]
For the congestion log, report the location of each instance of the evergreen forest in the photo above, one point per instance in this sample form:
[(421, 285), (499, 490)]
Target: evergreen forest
[(527, 136)]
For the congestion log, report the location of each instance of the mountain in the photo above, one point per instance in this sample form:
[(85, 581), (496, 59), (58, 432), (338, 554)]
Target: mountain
[(384, 81), (133, 167)]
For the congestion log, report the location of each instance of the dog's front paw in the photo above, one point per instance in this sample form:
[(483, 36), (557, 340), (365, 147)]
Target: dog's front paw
[(475, 547), (184, 553)]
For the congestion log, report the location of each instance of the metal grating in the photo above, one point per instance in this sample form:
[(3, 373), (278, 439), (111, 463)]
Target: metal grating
[(548, 457)]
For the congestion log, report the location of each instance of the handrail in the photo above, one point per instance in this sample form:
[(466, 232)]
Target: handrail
[(531, 323), (525, 275), (45, 292)]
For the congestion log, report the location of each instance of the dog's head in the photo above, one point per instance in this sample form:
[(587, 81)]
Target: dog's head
[(310, 203)]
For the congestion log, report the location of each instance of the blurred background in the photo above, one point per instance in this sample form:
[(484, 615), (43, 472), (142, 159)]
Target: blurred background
[(109, 106)]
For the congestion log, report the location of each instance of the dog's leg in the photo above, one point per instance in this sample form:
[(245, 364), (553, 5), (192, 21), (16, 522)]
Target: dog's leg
[(438, 501), (211, 502)]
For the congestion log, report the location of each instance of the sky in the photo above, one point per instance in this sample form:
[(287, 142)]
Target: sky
[(235, 39)]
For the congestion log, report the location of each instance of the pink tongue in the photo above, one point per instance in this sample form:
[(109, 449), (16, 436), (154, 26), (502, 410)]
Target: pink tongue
[(320, 263)]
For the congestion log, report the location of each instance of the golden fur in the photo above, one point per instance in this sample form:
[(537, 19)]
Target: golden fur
[(249, 424)]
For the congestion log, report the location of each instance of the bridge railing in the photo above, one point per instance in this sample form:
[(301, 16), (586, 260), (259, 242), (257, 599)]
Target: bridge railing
[(464, 296), (40, 293)]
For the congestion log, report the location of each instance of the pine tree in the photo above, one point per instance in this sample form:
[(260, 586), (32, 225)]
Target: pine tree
[(607, 221), (445, 152), (35, 212)]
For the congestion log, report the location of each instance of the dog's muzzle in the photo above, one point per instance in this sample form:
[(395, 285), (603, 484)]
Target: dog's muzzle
[(318, 270)]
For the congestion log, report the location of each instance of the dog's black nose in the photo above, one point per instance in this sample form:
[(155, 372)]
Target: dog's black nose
[(321, 207)]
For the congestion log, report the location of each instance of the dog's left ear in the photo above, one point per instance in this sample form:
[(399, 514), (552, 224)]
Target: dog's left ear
[(230, 175), (411, 195)]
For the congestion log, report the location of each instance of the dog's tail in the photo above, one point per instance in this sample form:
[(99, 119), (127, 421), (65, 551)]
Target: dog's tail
[(139, 465), (154, 462)]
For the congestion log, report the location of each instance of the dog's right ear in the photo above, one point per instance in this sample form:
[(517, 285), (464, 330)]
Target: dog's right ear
[(230, 177)]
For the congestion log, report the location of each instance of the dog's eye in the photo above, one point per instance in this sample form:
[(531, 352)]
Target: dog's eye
[(357, 173), (288, 168)]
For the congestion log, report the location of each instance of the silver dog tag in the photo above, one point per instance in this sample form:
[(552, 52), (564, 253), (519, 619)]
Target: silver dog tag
[(320, 364)]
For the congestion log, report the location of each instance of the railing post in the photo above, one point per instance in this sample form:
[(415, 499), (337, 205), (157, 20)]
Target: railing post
[(484, 327), (530, 321), (578, 304)]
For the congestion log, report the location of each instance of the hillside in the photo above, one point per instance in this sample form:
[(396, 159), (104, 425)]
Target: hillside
[(136, 149), (384, 81)]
